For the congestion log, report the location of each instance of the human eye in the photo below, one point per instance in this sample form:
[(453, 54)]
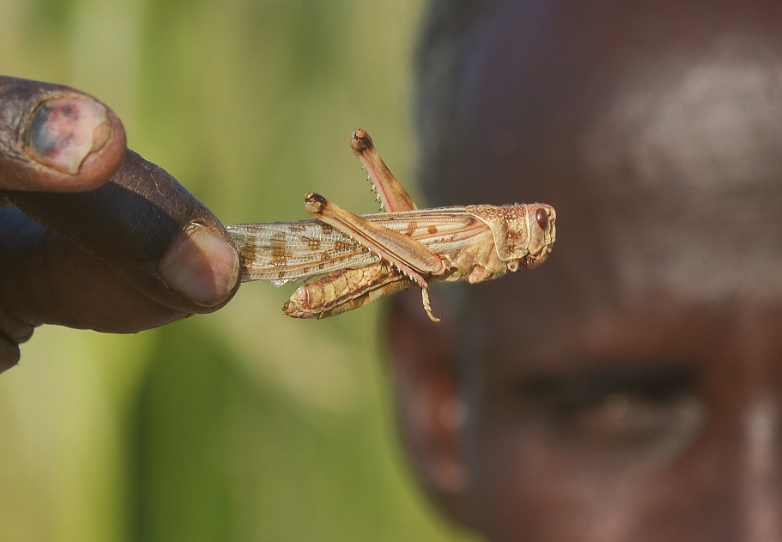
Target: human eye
[(618, 406)]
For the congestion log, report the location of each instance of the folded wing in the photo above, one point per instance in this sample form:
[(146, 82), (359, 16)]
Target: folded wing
[(281, 252)]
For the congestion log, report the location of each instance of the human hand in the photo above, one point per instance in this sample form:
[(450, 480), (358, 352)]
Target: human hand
[(92, 236)]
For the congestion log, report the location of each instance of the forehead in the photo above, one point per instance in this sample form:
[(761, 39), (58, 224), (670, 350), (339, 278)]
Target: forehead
[(661, 156)]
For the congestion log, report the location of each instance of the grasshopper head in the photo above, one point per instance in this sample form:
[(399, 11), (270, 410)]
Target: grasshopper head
[(523, 234)]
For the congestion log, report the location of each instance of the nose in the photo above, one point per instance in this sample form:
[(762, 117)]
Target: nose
[(760, 461)]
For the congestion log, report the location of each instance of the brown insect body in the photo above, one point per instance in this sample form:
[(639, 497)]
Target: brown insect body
[(368, 257)]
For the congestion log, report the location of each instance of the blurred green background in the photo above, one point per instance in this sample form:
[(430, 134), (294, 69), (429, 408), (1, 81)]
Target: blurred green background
[(245, 424)]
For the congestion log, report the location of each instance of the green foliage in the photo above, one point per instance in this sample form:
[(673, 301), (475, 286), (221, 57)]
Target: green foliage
[(241, 425)]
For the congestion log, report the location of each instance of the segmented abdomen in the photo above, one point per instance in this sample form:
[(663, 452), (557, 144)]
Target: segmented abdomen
[(345, 290)]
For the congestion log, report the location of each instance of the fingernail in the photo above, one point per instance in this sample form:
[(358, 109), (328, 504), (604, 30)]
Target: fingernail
[(63, 132), (200, 266), (9, 354)]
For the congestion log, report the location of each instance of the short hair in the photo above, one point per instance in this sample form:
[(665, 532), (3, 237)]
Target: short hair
[(446, 28)]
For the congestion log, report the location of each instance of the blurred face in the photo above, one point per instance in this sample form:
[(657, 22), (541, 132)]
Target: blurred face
[(630, 387)]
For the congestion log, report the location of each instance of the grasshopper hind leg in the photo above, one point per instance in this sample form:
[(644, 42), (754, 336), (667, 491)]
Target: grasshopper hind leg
[(390, 192)]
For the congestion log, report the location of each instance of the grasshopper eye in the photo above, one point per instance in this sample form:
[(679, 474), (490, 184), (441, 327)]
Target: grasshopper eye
[(541, 217)]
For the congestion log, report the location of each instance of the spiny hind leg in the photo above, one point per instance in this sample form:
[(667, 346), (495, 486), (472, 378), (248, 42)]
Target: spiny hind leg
[(390, 192), (404, 253)]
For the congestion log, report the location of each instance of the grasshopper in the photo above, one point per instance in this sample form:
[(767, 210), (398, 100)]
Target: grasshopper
[(371, 256)]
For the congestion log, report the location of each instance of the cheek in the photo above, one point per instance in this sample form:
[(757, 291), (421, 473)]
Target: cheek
[(522, 485)]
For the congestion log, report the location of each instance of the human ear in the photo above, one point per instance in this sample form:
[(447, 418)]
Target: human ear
[(429, 406)]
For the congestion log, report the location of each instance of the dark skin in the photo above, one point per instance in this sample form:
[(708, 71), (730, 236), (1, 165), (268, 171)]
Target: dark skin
[(629, 388), (92, 235)]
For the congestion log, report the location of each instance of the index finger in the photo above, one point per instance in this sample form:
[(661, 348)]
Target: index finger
[(56, 139)]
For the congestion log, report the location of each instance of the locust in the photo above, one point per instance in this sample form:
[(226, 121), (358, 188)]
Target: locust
[(360, 259)]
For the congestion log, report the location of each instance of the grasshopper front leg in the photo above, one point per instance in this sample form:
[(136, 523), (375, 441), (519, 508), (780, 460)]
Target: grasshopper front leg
[(407, 255)]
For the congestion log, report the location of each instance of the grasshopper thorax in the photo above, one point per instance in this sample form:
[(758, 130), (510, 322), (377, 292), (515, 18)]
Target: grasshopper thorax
[(523, 234)]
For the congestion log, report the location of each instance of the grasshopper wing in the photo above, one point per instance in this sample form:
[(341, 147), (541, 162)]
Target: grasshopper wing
[(282, 252)]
